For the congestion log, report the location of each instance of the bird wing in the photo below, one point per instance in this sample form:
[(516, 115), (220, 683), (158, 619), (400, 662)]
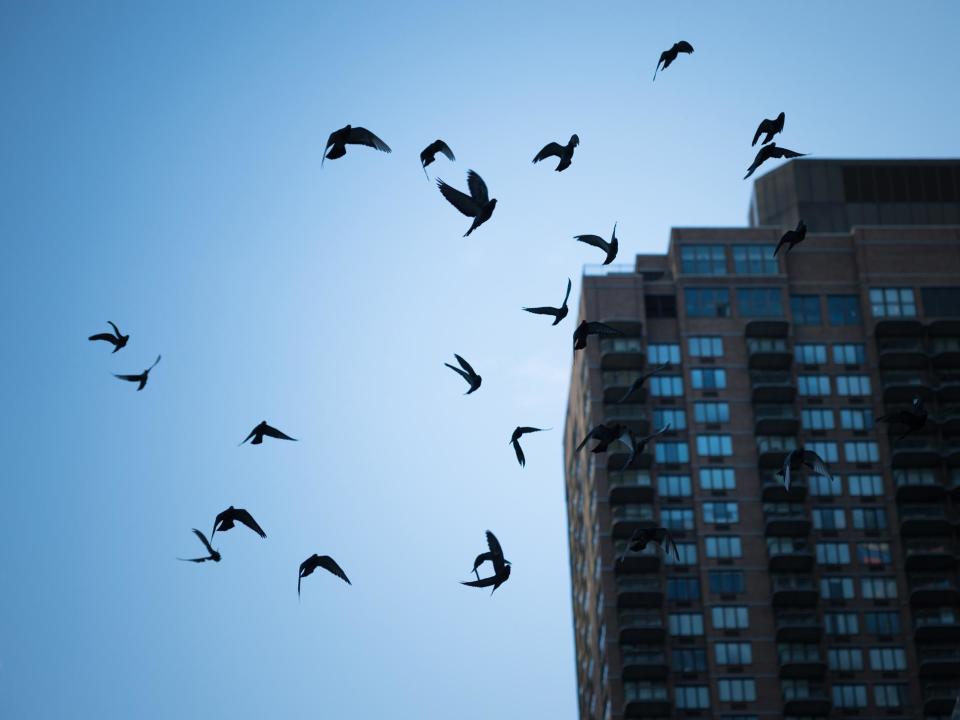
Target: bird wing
[(780, 152), (649, 373), (783, 241), (130, 378), (362, 136), (684, 47), (478, 188), (329, 564), (104, 336), (203, 539), (590, 435), (196, 560), (465, 365), (657, 433), (567, 296), (520, 457), (524, 430), (784, 472), (542, 310), (274, 433), (460, 372), (252, 433), (461, 201), (485, 582), (494, 546), (594, 240), (599, 328), (815, 463), (152, 366), (247, 519), (761, 129), (115, 328), (549, 150), (441, 146), (900, 417), (665, 540)]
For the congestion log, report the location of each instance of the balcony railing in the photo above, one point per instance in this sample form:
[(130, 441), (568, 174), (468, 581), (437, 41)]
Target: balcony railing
[(639, 584), (935, 618), (767, 345), (643, 658), (636, 620), (901, 345), (621, 345), (770, 378), (781, 411), (793, 583), (633, 512), (631, 478)]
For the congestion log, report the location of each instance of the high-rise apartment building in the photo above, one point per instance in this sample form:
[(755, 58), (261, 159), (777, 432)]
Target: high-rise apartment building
[(839, 597)]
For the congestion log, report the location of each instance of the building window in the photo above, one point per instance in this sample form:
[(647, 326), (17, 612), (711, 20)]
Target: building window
[(941, 301), (721, 512), (754, 260), (674, 485), (892, 302), (810, 353), (849, 353), (730, 617), (853, 385), (708, 378), (817, 419), (677, 518), (681, 588), (841, 623), (883, 622), (836, 588), (845, 659), (717, 479), (660, 306), (888, 659), (687, 553), (685, 624), (869, 519), (874, 554), (833, 553), (726, 582), (671, 452), (829, 519), (813, 385), (663, 353), (692, 697), (843, 310), (861, 451), (856, 419), (666, 386), (821, 486), (878, 588), (723, 546), (849, 696), (711, 412), (714, 445), (825, 449), (805, 309), (707, 302), (759, 302), (676, 419), (688, 660), (705, 346), (890, 695), (865, 485), (703, 260), (644, 690), (733, 653), (737, 690)]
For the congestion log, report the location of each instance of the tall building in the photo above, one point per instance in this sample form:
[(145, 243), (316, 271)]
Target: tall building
[(840, 596)]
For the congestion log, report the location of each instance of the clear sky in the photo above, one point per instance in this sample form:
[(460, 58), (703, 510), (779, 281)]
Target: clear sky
[(160, 167)]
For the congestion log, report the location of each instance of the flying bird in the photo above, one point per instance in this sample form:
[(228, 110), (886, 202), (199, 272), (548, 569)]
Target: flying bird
[(791, 238), (212, 554), (770, 127), (116, 339), (558, 313), (429, 154), (638, 383), (564, 152), (468, 373), (263, 430), (636, 444), (515, 441), (591, 328), (141, 378), (642, 537), (349, 135), (668, 56), (610, 248), (914, 419), (604, 435), (322, 561), (767, 152), (501, 567), (800, 459), (225, 521), (477, 204)]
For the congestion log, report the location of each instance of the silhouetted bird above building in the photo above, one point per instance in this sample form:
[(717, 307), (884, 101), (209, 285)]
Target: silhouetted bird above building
[(213, 554), (642, 537), (770, 127), (610, 248), (668, 56), (225, 521), (349, 135), (141, 378), (637, 445), (501, 567), (638, 383), (585, 329), (558, 313), (116, 339), (768, 152), (468, 373), (515, 441), (791, 238), (477, 204), (604, 435), (263, 430), (564, 152), (429, 154), (801, 459), (914, 419), (320, 561)]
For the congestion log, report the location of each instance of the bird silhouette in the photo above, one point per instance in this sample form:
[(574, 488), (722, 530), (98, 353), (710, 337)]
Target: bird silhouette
[(585, 329), (642, 537), (468, 373), (914, 419), (141, 378), (768, 152), (558, 313), (638, 383), (610, 248), (668, 56), (604, 435), (263, 430), (213, 554), (515, 441), (564, 152), (429, 154), (801, 459), (322, 561), (477, 204), (637, 445), (349, 135), (791, 238), (225, 521), (501, 567), (116, 339), (770, 127)]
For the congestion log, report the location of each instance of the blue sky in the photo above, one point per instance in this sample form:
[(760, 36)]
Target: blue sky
[(160, 167)]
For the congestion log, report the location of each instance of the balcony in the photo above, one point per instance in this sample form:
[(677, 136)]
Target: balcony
[(772, 387), (953, 484), (768, 354), (928, 521), (918, 486), (648, 707), (798, 627), (630, 486), (645, 561), (914, 452), (798, 664), (902, 353), (940, 699), (633, 415), (619, 353), (792, 523), (898, 328), (776, 420), (903, 387), (923, 555), (948, 390), (772, 450), (783, 558), (644, 664), (951, 453), (936, 627), (792, 591), (948, 418), (627, 518), (806, 700), (933, 592), (766, 329), (639, 591), (945, 352), (617, 382), (939, 662), (641, 627), (773, 490)]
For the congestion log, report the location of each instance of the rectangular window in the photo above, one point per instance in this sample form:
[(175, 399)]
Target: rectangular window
[(817, 419), (660, 306), (759, 302), (849, 696), (717, 479), (888, 659), (676, 419), (682, 588), (845, 659), (703, 260), (754, 260), (737, 690), (707, 302), (833, 553), (711, 412), (723, 546), (677, 518), (674, 485), (721, 512), (733, 653), (805, 309), (841, 624), (659, 353), (861, 451), (836, 588), (688, 660), (829, 519), (849, 353), (685, 624), (708, 378), (714, 445), (705, 346), (810, 353), (644, 690), (869, 519), (671, 452), (853, 385), (730, 617), (823, 486), (813, 385), (878, 588), (891, 695), (865, 485), (843, 310), (666, 386), (941, 301), (825, 449), (892, 302), (885, 622), (856, 419), (726, 582), (687, 554), (692, 697)]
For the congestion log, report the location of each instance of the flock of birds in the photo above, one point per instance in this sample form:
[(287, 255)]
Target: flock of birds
[(477, 205)]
